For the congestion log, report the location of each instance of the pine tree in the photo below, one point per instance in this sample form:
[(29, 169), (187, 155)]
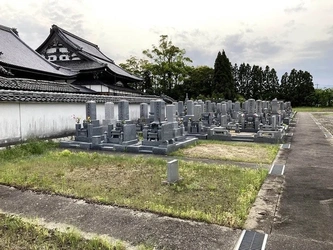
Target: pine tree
[(223, 78)]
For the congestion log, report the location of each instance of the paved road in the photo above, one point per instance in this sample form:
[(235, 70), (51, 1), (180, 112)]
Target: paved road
[(305, 213)]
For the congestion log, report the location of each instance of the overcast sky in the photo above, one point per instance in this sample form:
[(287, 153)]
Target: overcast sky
[(283, 34)]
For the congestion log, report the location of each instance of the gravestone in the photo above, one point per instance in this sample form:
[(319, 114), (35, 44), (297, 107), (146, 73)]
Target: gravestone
[(159, 110), (144, 111), (208, 106), (274, 105), (224, 120), (223, 109), (258, 107), (170, 113), (180, 108), (218, 108), (91, 110), (190, 106), (197, 113), (237, 106), (202, 104), (251, 106), (123, 110), (173, 171), (109, 111)]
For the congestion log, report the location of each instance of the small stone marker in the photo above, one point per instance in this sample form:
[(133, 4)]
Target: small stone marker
[(172, 171)]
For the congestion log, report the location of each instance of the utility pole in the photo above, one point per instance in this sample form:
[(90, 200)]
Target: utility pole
[(317, 85)]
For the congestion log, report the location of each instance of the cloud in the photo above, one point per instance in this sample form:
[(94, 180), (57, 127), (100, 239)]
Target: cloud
[(290, 24), (298, 8)]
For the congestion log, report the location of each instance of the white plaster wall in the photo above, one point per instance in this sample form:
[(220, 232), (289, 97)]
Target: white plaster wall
[(48, 119), (26, 120), (9, 121)]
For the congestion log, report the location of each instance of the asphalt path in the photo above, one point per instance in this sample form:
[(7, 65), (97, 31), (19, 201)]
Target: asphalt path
[(304, 218)]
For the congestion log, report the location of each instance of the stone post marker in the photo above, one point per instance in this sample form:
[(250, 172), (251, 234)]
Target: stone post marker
[(173, 171)]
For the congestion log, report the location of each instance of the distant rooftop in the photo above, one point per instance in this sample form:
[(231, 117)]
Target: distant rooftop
[(87, 50), (17, 54)]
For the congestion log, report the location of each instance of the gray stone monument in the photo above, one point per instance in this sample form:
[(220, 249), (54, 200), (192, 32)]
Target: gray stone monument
[(173, 171), (91, 110), (123, 110), (144, 111)]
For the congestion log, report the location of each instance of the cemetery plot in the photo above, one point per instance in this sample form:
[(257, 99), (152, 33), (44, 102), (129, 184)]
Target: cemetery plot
[(231, 151), (218, 194)]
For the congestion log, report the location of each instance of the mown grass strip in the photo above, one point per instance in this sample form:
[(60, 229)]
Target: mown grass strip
[(213, 193), (18, 234), (231, 151), (313, 109)]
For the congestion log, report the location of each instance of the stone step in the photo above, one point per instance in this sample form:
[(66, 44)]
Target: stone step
[(146, 151)]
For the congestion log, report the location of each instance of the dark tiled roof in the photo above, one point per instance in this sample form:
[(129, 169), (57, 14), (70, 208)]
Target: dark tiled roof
[(4, 72), (100, 82), (91, 51), (36, 85), (80, 65), (17, 53), (30, 96)]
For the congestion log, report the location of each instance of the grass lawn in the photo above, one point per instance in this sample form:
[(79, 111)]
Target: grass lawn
[(218, 194), (18, 234), (231, 151), (313, 109)]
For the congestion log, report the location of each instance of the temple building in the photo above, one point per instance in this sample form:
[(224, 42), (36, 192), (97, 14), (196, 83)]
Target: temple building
[(18, 60), (95, 71)]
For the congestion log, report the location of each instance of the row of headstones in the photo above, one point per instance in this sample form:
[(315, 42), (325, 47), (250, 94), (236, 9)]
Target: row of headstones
[(194, 109), (250, 106), (159, 112)]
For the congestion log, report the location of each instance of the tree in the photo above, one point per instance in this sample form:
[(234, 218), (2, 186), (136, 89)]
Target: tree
[(223, 78), (244, 76), (168, 65), (298, 88), (199, 82), (139, 67), (270, 85)]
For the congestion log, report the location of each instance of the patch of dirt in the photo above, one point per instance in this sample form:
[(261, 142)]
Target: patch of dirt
[(223, 152)]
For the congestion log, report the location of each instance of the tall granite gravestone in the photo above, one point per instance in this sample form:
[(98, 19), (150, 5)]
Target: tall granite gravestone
[(144, 115), (159, 111), (91, 111), (170, 113), (208, 106), (152, 110), (109, 115), (109, 111), (202, 104), (218, 108), (223, 109), (123, 110), (180, 109), (274, 107)]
